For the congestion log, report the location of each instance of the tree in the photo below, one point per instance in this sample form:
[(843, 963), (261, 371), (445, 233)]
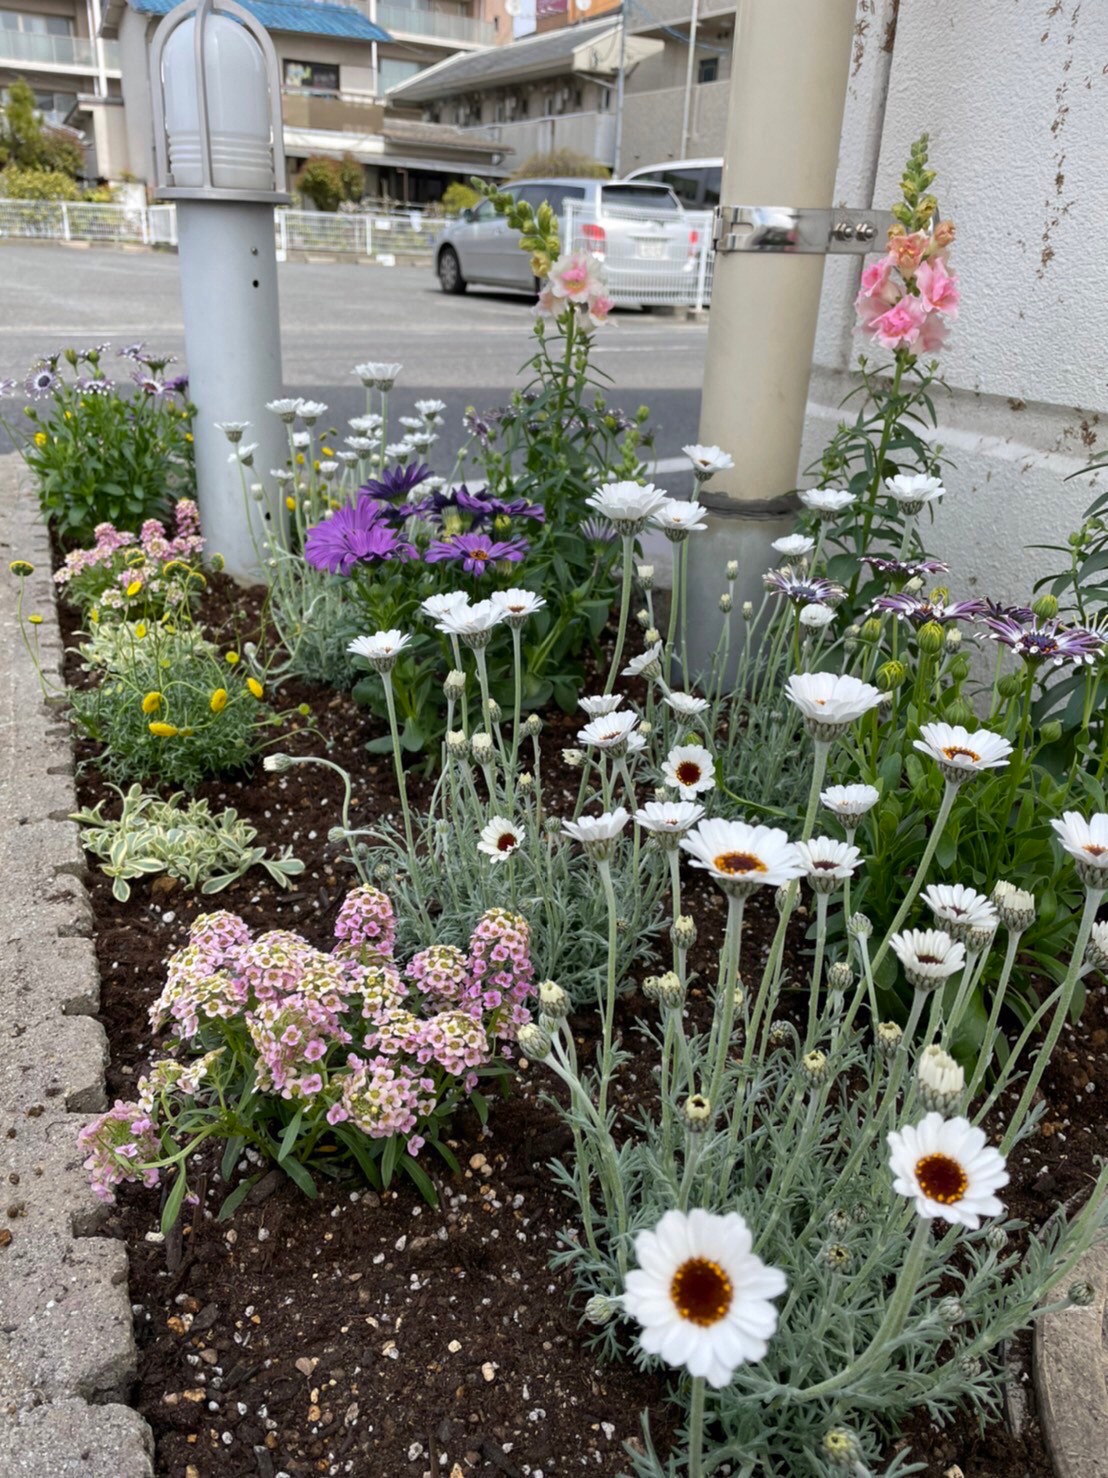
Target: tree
[(26, 143), (329, 182), (561, 162)]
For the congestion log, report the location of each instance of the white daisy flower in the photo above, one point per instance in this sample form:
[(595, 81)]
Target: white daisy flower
[(827, 862), (610, 732), (286, 409), (736, 852), (430, 407), (310, 411), (399, 451), (301, 439), (517, 605), (959, 754), (708, 460), (850, 802), (598, 834), (435, 607), (816, 617), (234, 431), (244, 454), (910, 491), (359, 444), (948, 1169), (603, 703), (500, 838), (1087, 844), (1015, 906), (826, 502), (365, 425), (794, 546), (647, 664), (628, 506), (686, 705), (474, 624), (929, 956), (700, 1295), (963, 910), (420, 441), (690, 768), (376, 376), (381, 649), (670, 819), (941, 1080), (677, 519), (830, 702), (1096, 951)]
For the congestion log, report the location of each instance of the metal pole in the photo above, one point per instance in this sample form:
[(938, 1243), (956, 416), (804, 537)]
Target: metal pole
[(228, 270), (617, 160), (684, 149), (789, 75)]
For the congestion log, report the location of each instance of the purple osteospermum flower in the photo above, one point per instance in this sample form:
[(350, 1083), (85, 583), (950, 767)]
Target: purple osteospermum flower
[(148, 383), (484, 505), (476, 551), (1045, 641), (598, 531), (919, 612), (906, 569), (179, 385), (7, 389), (397, 482), (803, 592), (94, 385), (1022, 614), (352, 536), (41, 382), (131, 351)]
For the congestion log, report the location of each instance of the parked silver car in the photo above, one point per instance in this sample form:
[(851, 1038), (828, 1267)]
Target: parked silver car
[(649, 247)]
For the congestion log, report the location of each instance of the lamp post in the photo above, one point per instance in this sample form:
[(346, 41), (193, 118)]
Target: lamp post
[(219, 155)]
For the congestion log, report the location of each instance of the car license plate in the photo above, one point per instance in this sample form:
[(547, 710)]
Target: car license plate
[(654, 250)]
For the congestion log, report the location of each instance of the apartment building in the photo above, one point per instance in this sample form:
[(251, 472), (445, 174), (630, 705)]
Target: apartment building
[(674, 110)]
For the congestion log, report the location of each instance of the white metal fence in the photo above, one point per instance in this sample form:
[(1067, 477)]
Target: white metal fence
[(650, 262), (379, 234)]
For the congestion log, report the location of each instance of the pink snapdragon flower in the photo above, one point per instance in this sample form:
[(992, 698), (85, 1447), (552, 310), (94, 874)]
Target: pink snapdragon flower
[(576, 277), (900, 325), (877, 289), (937, 287), (907, 252)]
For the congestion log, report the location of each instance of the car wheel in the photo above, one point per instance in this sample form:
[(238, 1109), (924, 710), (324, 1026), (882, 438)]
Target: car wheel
[(450, 271)]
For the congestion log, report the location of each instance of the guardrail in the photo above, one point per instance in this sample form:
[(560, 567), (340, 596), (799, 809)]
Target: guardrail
[(435, 25), (32, 49)]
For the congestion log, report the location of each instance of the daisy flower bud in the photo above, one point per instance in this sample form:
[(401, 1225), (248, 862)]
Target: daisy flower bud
[(526, 780), (646, 576), (871, 630), (732, 569), (336, 835), (952, 639), (552, 826), (748, 610), (836, 1256), (814, 1066), (643, 617), (841, 1448), (1046, 607), (600, 1308), (839, 1221), (970, 1366), (455, 684), (553, 1001), (890, 675), (494, 711), (887, 1038), (533, 1042), (997, 1238), (531, 726), (483, 751), (671, 993), (785, 899), (697, 1113), (457, 745), (840, 976), (682, 931), (951, 1312), (858, 926), (726, 602), (780, 1034), (652, 636), (1081, 1295), (277, 764), (1096, 951), (574, 758)]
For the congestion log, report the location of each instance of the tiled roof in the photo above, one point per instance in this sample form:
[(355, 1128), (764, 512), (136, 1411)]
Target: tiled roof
[(311, 17)]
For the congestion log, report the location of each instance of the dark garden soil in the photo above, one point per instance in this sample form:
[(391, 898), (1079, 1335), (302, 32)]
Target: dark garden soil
[(369, 1334)]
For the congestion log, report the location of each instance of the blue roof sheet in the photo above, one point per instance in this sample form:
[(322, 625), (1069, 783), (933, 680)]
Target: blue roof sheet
[(313, 17)]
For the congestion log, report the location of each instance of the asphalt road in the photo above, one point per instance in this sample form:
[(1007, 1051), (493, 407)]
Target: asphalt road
[(464, 350)]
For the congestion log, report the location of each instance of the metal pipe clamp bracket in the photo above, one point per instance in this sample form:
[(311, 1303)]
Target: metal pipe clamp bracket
[(808, 230)]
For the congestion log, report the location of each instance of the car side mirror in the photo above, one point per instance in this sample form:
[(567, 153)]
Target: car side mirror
[(466, 213)]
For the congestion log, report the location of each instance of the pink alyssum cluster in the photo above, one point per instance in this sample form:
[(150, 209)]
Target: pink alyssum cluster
[(577, 280), (344, 1035), (908, 297), (125, 558)]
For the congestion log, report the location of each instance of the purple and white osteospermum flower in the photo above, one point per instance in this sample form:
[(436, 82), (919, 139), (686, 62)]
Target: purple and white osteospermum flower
[(690, 769), (1044, 641), (827, 861), (962, 909), (700, 1296), (41, 382), (381, 649), (803, 590), (960, 754), (708, 460), (850, 802), (669, 818), (914, 608), (611, 731), (911, 491), (1087, 843), (500, 838), (948, 1168), (601, 704), (678, 519), (929, 957), (734, 852), (827, 502), (794, 546), (628, 506), (905, 569)]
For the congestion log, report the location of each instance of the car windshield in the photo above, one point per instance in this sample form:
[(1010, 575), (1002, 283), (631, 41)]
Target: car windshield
[(655, 198)]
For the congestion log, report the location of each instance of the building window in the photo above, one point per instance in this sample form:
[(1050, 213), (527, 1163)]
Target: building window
[(391, 72), (707, 69), (321, 77), (37, 25)]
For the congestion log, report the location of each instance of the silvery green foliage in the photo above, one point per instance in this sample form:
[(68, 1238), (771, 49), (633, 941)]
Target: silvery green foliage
[(181, 839), (113, 645)]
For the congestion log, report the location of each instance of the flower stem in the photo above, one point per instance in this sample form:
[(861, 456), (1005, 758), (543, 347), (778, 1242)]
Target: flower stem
[(624, 608), (920, 875), (696, 1428)]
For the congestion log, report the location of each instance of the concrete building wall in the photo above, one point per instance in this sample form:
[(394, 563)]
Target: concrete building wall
[(1015, 97), (652, 124)]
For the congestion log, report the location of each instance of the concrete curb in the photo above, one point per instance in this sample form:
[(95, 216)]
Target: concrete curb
[(67, 1350), (1071, 1377)]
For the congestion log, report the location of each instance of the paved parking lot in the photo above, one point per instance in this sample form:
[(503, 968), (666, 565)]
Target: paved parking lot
[(465, 350)]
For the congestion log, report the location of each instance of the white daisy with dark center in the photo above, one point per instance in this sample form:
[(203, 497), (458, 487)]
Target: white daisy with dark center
[(741, 857), (381, 649), (827, 862), (474, 624), (686, 705), (826, 502), (910, 491), (830, 702), (669, 819), (963, 910), (598, 834), (436, 606), (603, 703), (611, 731), (500, 838), (794, 546), (678, 519), (517, 605), (1087, 843), (701, 1297), (948, 1169), (850, 802), (959, 754), (690, 769), (628, 506), (708, 460), (929, 956)]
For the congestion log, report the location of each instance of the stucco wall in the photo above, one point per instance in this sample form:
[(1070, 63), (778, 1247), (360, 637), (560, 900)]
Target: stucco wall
[(652, 123), (1014, 94)]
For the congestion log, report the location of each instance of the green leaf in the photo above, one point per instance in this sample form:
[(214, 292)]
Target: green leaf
[(480, 1105), (174, 1200), (295, 1171), (389, 1159), (232, 1202), (288, 1139), (420, 1179), (231, 1152)]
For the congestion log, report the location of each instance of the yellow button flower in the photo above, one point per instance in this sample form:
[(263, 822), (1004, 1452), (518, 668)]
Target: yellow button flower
[(300, 459), (232, 658), (140, 630), (163, 731), (188, 435), (290, 504), (21, 568), (134, 588), (41, 438), (152, 702), (303, 710), (218, 701), (255, 687), (35, 620)]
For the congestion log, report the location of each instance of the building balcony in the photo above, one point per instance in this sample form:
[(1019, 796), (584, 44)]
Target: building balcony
[(435, 26), (73, 55), (332, 112), (591, 134), (664, 13)]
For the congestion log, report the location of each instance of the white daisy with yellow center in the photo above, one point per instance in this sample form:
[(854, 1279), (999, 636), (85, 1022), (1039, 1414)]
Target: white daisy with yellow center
[(960, 754), (948, 1169), (736, 853), (1087, 844), (701, 1296)]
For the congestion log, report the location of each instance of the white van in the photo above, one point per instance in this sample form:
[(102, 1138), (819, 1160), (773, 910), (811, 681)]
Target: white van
[(695, 182)]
